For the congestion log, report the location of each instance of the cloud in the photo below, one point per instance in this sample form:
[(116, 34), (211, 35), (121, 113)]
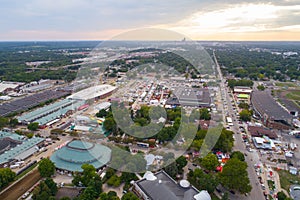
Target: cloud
[(241, 18), (195, 18)]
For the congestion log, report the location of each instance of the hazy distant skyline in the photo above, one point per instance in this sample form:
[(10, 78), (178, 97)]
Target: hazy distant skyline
[(104, 19)]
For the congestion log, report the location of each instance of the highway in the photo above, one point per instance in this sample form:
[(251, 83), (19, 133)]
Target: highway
[(256, 192)]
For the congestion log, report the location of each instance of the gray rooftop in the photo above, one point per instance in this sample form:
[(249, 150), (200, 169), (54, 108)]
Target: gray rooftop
[(265, 104), (295, 192), (21, 151), (191, 97), (50, 112), (164, 187)]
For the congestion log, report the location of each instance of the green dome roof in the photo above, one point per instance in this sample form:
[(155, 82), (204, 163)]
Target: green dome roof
[(72, 156)]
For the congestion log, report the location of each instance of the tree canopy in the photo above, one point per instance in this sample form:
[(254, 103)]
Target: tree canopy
[(129, 196), (46, 167), (203, 181), (33, 126), (6, 176), (210, 162), (239, 155), (235, 176), (46, 190), (245, 115)]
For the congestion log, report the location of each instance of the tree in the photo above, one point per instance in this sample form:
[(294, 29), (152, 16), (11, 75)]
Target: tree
[(239, 155), (243, 105), (46, 190), (225, 141), (13, 122), (127, 177), (235, 177), (261, 76), (203, 181), (181, 162), (33, 126), (261, 87), (90, 179), (111, 195), (109, 124), (6, 176), (129, 196), (51, 185), (46, 167), (196, 144), (204, 114), (3, 122), (102, 113), (245, 115), (88, 194), (172, 169), (210, 162), (114, 181), (281, 196), (86, 177)]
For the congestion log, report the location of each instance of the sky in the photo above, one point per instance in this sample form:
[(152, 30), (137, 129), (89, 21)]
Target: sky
[(35, 20)]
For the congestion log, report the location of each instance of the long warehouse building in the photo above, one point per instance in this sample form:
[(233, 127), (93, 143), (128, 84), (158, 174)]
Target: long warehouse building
[(272, 114), (93, 93)]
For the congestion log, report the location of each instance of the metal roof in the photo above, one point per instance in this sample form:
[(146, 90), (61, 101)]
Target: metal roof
[(92, 92), (72, 156), (164, 187), (264, 103), (21, 150)]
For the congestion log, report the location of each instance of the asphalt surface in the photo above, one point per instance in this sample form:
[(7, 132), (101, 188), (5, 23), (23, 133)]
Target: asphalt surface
[(256, 192)]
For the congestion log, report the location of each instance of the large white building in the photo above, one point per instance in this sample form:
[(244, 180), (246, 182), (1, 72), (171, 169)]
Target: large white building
[(95, 92)]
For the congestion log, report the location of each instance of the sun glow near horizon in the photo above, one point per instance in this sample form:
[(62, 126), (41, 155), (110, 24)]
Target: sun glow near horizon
[(240, 22)]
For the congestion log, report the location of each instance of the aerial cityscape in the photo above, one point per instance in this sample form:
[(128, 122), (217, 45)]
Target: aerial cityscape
[(202, 103)]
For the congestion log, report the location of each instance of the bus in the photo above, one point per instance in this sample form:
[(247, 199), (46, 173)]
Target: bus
[(229, 121), (141, 144)]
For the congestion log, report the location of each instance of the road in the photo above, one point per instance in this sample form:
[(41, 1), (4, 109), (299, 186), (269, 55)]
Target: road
[(256, 192)]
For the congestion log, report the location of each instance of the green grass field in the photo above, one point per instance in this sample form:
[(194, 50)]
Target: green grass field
[(285, 84), (287, 179), (295, 95)]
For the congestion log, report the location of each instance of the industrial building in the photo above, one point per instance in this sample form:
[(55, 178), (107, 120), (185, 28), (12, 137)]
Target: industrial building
[(271, 113), (47, 114), (76, 153), (14, 147), (7, 86), (194, 97), (242, 90), (161, 186), (93, 93), (30, 101)]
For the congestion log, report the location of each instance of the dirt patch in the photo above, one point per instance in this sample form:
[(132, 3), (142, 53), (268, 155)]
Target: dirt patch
[(18, 189)]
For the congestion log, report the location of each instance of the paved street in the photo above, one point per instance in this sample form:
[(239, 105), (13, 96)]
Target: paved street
[(256, 192)]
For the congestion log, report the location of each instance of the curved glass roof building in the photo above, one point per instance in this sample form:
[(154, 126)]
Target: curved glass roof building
[(76, 153)]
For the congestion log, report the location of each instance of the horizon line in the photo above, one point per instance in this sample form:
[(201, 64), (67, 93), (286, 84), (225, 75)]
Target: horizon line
[(82, 40)]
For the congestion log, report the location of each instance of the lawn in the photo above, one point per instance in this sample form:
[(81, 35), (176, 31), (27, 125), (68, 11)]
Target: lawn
[(285, 84), (295, 95), (287, 179)]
